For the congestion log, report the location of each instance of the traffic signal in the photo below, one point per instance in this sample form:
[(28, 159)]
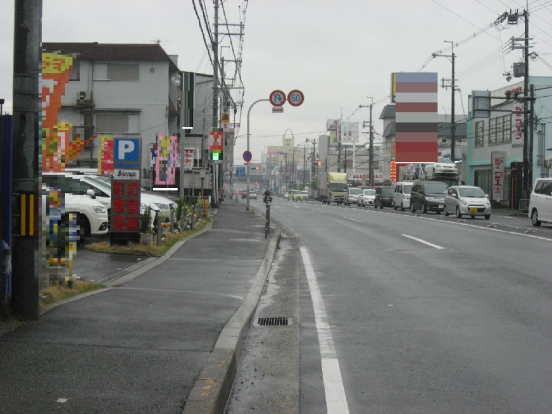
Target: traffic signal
[(216, 155), (319, 163), (393, 171)]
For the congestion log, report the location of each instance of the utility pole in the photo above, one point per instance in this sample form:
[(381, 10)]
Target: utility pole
[(527, 167), (338, 140), (453, 91), (526, 181), (371, 149), (215, 67), (26, 257), (304, 161)]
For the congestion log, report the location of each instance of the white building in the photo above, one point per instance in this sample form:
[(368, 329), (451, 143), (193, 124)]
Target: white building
[(130, 90), (498, 137)]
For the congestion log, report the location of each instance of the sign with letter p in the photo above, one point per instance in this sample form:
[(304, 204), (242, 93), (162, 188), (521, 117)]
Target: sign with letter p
[(126, 153)]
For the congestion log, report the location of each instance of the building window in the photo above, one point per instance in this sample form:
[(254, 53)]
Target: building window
[(117, 123), (500, 129), (508, 128), (479, 133), (74, 73), (123, 72), (492, 130)]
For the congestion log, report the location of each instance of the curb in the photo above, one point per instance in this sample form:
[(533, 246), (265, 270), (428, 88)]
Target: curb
[(212, 389)]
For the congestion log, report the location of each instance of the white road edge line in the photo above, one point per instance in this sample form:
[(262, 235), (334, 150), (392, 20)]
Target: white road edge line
[(336, 400), (423, 241)]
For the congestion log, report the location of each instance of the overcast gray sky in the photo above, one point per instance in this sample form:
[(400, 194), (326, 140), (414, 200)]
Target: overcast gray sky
[(337, 52)]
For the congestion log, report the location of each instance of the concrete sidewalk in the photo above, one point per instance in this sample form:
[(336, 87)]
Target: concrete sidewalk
[(164, 337)]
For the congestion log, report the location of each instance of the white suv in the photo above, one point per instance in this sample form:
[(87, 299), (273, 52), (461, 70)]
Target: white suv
[(540, 202), (92, 216)]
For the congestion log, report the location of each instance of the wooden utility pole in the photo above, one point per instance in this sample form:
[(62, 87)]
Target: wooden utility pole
[(26, 256)]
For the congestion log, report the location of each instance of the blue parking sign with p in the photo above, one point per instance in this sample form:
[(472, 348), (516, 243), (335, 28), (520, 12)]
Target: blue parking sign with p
[(126, 153)]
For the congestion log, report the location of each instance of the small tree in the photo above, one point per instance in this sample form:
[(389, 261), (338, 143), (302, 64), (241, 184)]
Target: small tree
[(145, 221)]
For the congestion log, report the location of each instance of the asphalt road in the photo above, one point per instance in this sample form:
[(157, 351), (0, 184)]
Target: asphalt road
[(424, 314)]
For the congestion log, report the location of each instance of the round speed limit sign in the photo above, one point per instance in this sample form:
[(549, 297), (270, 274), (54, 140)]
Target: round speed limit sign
[(295, 97)]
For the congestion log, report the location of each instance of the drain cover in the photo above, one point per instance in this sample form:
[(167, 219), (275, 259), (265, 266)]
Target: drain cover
[(274, 321)]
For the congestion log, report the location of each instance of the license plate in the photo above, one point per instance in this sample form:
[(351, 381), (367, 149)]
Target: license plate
[(441, 206), (473, 210)]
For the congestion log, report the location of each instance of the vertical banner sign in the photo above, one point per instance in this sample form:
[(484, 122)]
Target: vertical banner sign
[(55, 134), (105, 165), (498, 159), (416, 117), (518, 118), (125, 190), (188, 158), (166, 161), (58, 145)]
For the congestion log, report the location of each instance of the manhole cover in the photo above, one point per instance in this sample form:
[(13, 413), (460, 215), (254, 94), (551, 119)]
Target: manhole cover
[(274, 321)]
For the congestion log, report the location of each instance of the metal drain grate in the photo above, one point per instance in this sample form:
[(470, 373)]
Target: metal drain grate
[(274, 321)]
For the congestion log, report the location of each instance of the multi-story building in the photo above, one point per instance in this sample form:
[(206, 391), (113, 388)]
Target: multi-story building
[(495, 144), (132, 90)]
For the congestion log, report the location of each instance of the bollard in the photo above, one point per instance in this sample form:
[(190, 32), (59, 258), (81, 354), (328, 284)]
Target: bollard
[(267, 223)]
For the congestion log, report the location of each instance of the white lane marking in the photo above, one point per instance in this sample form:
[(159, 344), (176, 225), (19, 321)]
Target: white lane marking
[(422, 241), (352, 219), (336, 400)]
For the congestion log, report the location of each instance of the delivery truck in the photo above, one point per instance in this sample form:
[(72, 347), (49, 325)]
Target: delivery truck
[(332, 187)]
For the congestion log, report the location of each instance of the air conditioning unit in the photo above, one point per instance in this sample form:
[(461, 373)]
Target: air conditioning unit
[(548, 163), (84, 97)]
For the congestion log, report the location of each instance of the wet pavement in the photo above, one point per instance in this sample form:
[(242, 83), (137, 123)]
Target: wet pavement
[(164, 337), (102, 267)]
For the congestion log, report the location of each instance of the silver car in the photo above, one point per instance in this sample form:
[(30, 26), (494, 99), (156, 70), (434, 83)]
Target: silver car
[(467, 200)]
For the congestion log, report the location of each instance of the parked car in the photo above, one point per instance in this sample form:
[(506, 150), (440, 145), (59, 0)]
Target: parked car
[(467, 200), (101, 186), (384, 196), (428, 196), (401, 197), (301, 196), (286, 196), (540, 202), (92, 219), (367, 197), (352, 195)]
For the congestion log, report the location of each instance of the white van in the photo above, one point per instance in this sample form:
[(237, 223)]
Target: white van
[(540, 202), (401, 197)]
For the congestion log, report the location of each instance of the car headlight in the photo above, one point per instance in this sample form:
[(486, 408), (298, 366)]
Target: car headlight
[(430, 199), (487, 204), (100, 210), (463, 202)]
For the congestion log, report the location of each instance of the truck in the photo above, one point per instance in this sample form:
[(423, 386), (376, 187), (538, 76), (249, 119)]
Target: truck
[(332, 187), (443, 170)]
